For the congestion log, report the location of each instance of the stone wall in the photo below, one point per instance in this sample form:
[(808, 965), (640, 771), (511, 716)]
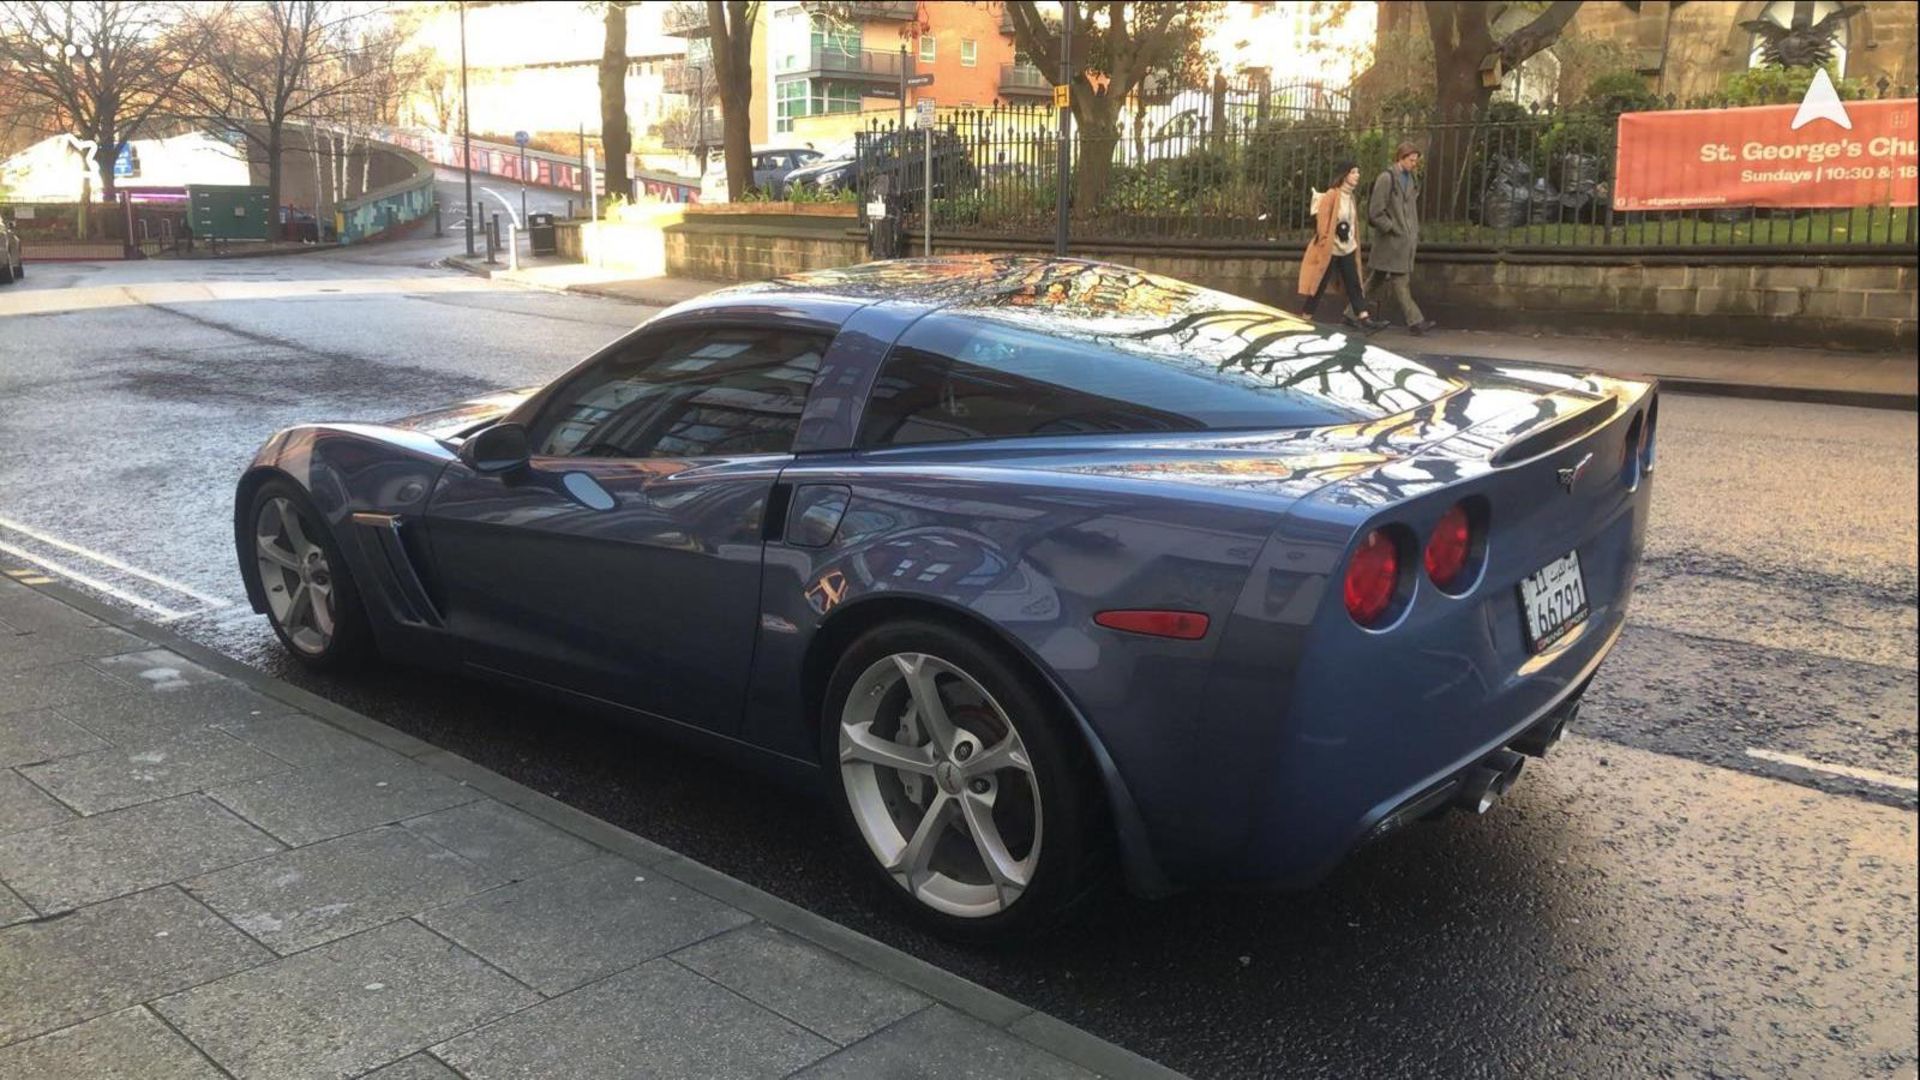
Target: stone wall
[(1844, 301)]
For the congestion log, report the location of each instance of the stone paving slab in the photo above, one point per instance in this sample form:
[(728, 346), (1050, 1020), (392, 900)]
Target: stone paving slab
[(107, 957), (45, 735), (28, 610), (145, 771), (802, 982), (342, 795), (658, 1019), (506, 841), (160, 670), (65, 643), (24, 806), (56, 684), (13, 909), (128, 1045), (938, 1043), (417, 1067), (294, 739), (344, 1008), (87, 860), (139, 717), (583, 922), (312, 895)]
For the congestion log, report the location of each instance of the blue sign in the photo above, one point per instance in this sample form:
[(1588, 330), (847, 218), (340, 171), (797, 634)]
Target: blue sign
[(124, 163), (522, 139)]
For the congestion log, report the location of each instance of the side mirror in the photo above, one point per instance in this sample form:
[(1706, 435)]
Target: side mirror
[(501, 448)]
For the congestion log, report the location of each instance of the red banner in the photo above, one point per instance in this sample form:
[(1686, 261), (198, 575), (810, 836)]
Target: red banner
[(1753, 157)]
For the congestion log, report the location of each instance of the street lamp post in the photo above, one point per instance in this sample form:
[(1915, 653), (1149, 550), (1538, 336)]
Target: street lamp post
[(1061, 169), (466, 130)]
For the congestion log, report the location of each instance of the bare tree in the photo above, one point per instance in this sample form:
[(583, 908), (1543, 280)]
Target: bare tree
[(1468, 57), (268, 64), (1115, 46), (97, 69)]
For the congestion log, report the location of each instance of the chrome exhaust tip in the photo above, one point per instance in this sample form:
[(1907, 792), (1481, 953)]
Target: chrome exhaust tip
[(1486, 783)]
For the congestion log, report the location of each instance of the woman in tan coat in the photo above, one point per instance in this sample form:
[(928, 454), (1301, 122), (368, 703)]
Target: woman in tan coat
[(1335, 249)]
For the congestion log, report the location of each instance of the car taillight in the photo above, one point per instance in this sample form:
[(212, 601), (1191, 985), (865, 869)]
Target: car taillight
[(1630, 453), (1372, 577), (1447, 549)]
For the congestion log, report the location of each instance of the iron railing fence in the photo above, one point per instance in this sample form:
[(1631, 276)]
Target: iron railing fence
[(1227, 168)]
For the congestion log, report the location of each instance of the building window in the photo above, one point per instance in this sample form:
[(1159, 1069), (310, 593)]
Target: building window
[(790, 101), (831, 34), (794, 98), (926, 48), (969, 52)]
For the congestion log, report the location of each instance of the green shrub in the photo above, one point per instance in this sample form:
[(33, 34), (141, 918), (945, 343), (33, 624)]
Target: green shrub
[(1778, 86)]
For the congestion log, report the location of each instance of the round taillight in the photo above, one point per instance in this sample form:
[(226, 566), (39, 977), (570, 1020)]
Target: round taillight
[(1447, 550), (1372, 576)]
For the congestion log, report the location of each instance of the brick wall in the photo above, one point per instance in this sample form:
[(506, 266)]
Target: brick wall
[(1844, 301)]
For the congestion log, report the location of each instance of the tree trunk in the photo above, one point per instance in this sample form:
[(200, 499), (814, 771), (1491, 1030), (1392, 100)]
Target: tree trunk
[(107, 152), (614, 134), (1097, 116), (275, 141), (730, 27)]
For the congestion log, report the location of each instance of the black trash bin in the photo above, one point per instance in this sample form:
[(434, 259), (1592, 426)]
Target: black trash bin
[(541, 234)]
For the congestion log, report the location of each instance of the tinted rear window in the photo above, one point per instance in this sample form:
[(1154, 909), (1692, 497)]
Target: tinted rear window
[(1214, 363)]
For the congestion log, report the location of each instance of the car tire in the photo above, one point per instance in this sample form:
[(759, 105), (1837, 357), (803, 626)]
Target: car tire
[(6, 272), (1046, 798), (290, 548)]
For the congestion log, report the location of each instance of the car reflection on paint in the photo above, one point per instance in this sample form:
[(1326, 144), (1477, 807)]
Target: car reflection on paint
[(1048, 571)]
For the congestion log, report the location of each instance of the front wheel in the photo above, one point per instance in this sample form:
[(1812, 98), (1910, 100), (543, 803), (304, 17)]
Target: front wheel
[(963, 780), (311, 599)]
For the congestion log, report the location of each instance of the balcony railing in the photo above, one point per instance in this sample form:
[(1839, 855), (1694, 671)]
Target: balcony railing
[(684, 20), (1023, 80), (871, 10), (681, 77), (874, 65)]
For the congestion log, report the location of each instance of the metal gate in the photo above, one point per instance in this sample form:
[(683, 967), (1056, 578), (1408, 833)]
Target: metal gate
[(51, 231)]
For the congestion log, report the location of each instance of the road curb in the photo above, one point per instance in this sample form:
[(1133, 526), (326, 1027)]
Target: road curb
[(453, 262), (1046, 1032)]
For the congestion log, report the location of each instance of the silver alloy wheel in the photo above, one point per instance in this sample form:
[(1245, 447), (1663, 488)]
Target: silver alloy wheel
[(940, 785), (295, 575)]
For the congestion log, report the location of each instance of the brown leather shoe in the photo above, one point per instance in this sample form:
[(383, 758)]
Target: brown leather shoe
[(1423, 326)]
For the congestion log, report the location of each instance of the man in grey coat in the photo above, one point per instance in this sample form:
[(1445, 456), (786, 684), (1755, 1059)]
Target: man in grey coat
[(1393, 211)]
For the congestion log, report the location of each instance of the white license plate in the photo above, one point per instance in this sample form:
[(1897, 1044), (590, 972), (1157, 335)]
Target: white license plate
[(1553, 600)]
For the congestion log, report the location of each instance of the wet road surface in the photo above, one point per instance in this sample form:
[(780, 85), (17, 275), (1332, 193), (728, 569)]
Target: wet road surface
[(1717, 875)]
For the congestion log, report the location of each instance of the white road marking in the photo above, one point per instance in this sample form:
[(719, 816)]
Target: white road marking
[(511, 216), (108, 560), (94, 583), (1851, 772)]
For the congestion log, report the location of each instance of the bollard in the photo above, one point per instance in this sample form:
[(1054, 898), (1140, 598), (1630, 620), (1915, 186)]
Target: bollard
[(513, 247), (493, 241), (437, 230)]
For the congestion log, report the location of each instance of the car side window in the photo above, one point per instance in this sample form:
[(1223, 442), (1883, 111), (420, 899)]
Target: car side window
[(688, 393), (922, 396)]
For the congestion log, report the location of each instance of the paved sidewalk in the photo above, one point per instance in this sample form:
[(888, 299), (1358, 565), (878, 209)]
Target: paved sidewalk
[(205, 872), (1877, 380)]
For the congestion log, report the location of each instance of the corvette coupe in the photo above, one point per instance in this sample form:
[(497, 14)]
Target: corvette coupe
[(1043, 567)]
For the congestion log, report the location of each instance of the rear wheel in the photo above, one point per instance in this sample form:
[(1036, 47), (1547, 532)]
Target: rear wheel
[(311, 599), (961, 778)]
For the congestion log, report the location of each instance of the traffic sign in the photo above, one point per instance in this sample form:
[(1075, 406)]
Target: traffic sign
[(920, 80), (923, 113), (1062, 97), (521, 139)]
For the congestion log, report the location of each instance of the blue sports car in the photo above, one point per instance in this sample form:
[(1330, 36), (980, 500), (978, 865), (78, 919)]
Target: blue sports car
[(1045, 567)]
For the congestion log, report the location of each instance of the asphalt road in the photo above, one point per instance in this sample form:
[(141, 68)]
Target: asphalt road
[(1716, 876)]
